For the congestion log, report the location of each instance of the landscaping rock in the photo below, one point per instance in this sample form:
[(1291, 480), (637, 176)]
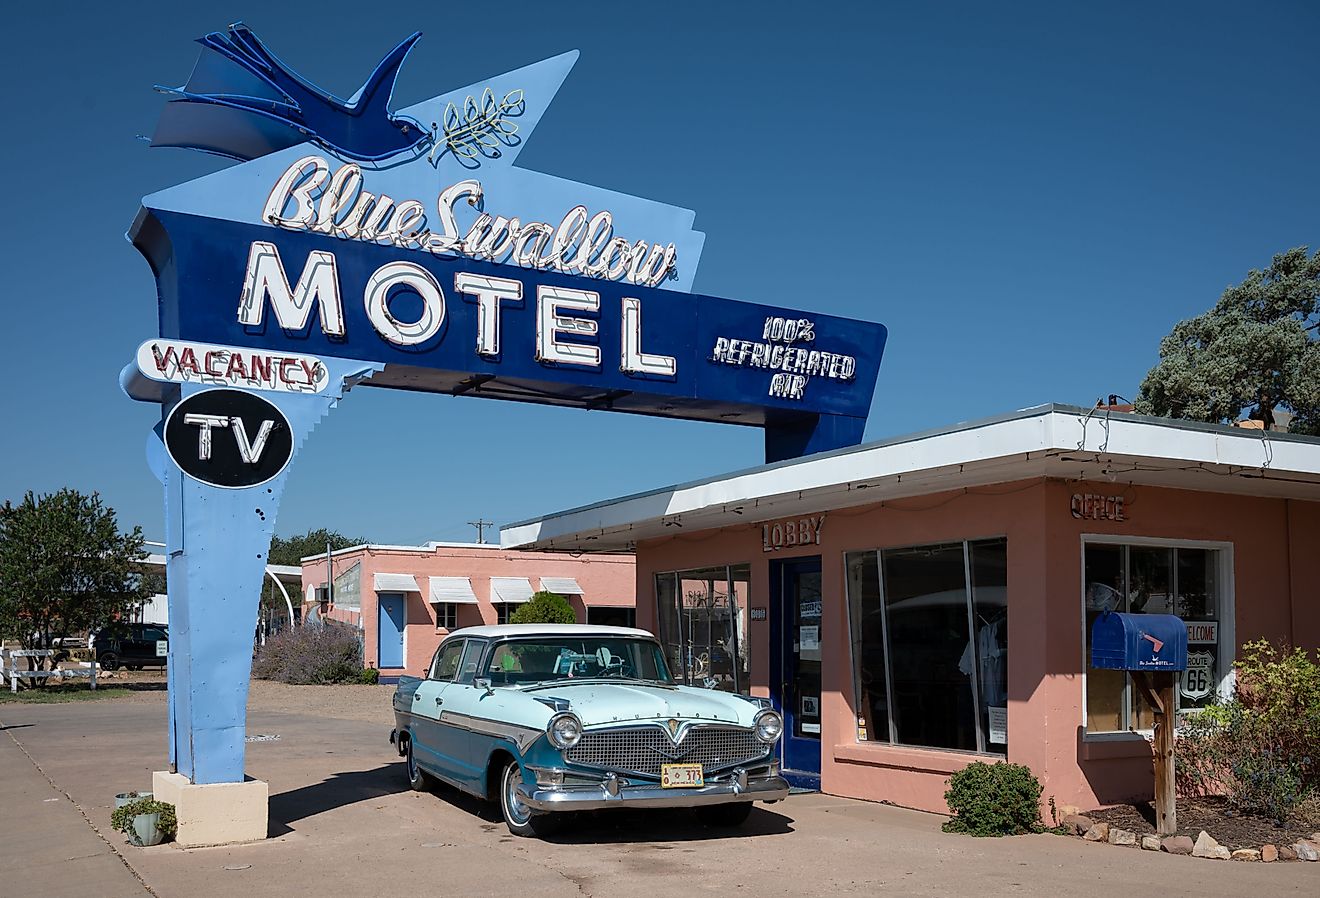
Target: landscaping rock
[(1070, 810), (1097, 833), (1287, 854), (1177, 844), (1150, 843), (1077, 824), (1208, 847), (1268, 854), (1306, 850), (1122, 837), (1246, 854)]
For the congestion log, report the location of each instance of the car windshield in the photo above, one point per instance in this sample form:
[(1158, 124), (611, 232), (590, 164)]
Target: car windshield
[(551, 659)]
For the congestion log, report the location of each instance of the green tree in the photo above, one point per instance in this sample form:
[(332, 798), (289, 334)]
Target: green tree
[(65, 567), (544, 608), (1255, 351), (291, 550)]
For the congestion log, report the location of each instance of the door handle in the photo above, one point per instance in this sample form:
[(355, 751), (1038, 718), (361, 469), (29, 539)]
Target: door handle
[(416, 697), (439, 700)]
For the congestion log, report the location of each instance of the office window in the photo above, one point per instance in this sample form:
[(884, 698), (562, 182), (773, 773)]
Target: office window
[(1154, 579), (930, 644)]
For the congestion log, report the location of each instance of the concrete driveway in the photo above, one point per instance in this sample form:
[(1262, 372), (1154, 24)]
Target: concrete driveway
[(344, 823)]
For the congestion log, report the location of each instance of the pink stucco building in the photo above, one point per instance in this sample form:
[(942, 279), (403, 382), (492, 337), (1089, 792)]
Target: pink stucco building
[(408, 598), (920, 603)]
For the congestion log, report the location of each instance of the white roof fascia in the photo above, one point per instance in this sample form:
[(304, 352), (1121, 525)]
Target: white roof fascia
[(1053, 441)]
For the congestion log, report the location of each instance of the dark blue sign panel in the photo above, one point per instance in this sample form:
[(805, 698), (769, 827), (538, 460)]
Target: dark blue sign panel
[(502, 331)]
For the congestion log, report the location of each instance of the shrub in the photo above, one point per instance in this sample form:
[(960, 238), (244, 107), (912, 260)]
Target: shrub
[(1260, 748), (122, 818), (545, 608), (311, 655), (994, 800), (369, 676)]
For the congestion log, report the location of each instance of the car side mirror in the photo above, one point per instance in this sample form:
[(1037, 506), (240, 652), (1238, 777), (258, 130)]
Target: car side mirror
[(484, 684)]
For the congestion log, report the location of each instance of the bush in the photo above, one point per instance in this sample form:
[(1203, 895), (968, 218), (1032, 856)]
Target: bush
[(369, 676), (122, 818), (311, 655), (545, 608), (1260, 748), (994, 800)]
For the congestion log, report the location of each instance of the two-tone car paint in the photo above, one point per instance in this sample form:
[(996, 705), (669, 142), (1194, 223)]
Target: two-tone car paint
[(461, 729)]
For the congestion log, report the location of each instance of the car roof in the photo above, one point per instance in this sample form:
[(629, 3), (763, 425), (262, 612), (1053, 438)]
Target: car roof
[(505, 630)]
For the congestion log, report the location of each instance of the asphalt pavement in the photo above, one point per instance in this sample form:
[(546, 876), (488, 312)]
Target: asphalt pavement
[(343, 822)]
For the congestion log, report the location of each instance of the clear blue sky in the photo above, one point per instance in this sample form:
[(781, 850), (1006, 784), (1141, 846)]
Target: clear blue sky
[(1032, 194)]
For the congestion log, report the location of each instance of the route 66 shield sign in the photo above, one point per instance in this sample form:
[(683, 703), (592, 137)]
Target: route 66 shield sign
[(1197, 679)]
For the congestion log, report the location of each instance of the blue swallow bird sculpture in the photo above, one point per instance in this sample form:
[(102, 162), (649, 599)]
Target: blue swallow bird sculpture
[(243, 102)]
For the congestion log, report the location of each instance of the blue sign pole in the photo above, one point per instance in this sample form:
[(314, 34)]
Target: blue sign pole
[(216, 544)]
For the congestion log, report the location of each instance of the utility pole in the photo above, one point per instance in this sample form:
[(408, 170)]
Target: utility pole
[(481, 524)]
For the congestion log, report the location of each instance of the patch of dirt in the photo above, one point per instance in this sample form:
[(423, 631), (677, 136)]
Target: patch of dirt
[(1209, 814), (367, 703)]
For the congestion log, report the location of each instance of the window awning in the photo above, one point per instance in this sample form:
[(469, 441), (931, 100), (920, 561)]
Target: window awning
[(565, 586), (510, 590), (456, 590), (396, 583)]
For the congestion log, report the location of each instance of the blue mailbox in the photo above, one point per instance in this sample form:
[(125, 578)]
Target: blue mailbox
[(1139, 642)]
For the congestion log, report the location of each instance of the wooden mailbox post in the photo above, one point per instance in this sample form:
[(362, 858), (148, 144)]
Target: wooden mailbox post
[(1153, 649)]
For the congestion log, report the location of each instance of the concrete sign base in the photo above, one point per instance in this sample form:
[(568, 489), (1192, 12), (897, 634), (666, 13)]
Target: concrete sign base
[(215, 814)]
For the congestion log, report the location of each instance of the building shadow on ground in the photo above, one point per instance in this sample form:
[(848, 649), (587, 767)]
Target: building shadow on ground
[(339, 790)]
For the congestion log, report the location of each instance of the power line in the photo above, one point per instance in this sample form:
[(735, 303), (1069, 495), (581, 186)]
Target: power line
[(481, 524)]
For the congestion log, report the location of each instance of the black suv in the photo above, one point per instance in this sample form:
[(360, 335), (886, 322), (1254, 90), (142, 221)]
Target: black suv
[(131, 645)]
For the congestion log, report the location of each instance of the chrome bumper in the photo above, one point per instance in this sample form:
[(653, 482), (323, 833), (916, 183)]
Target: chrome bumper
[(650, 795)]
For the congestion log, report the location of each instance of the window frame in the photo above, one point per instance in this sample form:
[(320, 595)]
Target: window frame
[(461, 643), (982, 738), (446, 615), (742, 645), (1226, 649)]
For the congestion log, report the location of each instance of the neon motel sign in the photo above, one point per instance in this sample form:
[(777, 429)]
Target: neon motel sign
[(352, 243)]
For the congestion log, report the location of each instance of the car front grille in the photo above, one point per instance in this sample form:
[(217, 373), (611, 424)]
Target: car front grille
[(643, 749)]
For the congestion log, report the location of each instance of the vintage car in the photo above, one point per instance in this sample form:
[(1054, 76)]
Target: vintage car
[(551, 718)]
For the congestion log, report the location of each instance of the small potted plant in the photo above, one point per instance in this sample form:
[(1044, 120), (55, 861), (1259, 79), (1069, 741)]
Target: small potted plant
[(124, 798), (145, 821)]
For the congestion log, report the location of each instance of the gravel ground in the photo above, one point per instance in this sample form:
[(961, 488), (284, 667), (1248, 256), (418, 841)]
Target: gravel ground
[(370, 704)]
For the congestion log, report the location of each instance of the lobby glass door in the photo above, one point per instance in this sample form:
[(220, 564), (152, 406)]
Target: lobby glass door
[(795, 677)]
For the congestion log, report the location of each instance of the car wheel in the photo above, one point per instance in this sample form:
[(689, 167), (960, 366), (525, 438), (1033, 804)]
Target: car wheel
[(725, 815), (518, 817), (418, 779), (109, 661)]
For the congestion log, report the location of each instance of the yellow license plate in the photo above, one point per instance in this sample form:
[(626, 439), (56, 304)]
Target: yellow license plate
[(681, 776)]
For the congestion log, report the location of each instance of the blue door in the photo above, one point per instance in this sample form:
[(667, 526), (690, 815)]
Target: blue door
[(795, 641), (389, 633)]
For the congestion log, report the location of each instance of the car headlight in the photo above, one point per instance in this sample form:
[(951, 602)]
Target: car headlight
[(564, 730), (769, 725)]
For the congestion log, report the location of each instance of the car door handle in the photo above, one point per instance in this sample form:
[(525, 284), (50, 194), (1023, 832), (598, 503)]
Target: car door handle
[(416, 697), (439, 700)]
